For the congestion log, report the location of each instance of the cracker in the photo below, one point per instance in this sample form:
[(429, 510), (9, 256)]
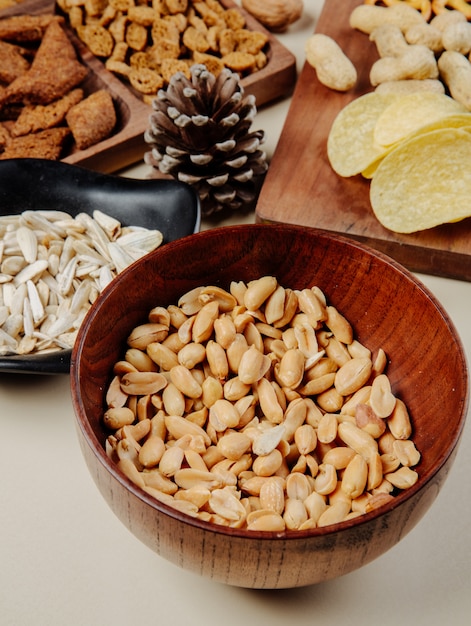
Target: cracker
[(180, 20), (54, 71), (164, 50), (47, 144), (213, 5), (95, 7), (195, 40), (97, 38), (165, 38), (227, 41), (13, 61), (144, 59), (198, 23), (250, 41), (178, 30), (213, 64), (213, 37), (143, 15), (170, 67), (5, 136), (261, 60), (239, 61), (212, 15), (120, 52), (121, 5), (177, 6), (108, 15), (136, 36), (76, 16), (34, 118), (92, 119), (117, 67), (25, 28), (165, 30), (234, 19), (145, 80)]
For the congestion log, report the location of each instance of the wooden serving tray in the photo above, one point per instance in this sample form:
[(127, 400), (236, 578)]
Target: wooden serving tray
[(127, 145), (301, 187)]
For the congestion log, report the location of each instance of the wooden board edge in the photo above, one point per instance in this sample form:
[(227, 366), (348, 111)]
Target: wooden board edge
[(415, 258)]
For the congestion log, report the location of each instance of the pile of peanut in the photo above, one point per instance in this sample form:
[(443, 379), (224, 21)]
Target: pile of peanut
[(418, 54), (256, 408), (419, 50)]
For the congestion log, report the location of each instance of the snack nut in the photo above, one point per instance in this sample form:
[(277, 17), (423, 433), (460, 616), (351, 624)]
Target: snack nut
[(276, 15)]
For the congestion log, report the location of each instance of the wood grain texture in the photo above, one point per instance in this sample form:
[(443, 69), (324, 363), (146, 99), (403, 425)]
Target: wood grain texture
[(388, 307), (127, 146), (301, 187)]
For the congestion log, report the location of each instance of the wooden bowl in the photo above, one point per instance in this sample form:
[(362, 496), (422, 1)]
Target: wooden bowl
[(388, 308)]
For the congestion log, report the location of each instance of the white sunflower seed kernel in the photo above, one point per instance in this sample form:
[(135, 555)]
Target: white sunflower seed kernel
[(75, 251)]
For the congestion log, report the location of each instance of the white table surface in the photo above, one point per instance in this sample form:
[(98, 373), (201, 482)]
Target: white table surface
[(66, 560)]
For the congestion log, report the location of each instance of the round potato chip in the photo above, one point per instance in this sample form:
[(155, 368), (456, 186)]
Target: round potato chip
[(410, 112), (462, 120), (424, 182), (350, 145), (369, 171)]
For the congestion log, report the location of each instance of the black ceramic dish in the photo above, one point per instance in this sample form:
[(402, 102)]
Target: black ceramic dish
[(32, 184)]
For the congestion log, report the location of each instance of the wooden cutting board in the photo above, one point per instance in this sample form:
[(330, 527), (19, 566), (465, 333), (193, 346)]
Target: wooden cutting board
[(301, 187)]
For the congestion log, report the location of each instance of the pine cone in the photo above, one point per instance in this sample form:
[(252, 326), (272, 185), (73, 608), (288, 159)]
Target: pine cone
[(199, 135)]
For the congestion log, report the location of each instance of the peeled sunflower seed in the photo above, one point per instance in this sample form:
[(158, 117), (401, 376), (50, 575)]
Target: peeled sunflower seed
[(58, 258)]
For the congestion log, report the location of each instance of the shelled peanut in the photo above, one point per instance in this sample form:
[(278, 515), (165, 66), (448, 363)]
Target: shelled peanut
[(257, 408), (410, 37), (418, 50)]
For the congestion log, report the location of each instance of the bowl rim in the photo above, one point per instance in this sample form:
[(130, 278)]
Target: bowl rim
[(291, 535)]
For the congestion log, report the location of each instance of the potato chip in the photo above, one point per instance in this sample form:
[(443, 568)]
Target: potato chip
[(424, 182), (351, 148), (409, 113), (462, 120), (369, 171)]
